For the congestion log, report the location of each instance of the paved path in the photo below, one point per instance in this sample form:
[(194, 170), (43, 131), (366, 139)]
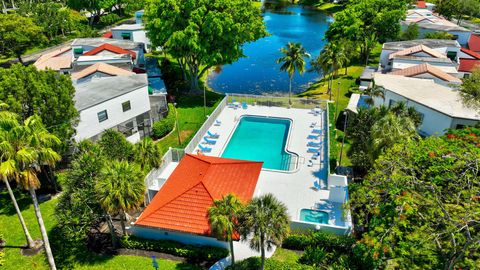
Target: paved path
[(242, 251)]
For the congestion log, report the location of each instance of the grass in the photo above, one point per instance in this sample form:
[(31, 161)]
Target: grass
[(343, 87), (14, 239), (286, 255)]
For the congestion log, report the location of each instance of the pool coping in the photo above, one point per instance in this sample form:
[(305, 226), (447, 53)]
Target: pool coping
[(287, 143)]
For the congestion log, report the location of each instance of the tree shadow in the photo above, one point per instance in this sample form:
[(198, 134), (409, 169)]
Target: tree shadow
[(7, 208)]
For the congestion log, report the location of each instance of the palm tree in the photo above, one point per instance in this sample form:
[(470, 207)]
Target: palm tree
[(121, 189), (369, 42), (350, 51), (8, 159), (316, 65), (390, 130), (372, 92), (222, 216), (333, 56), (267, 220), (147, 154), (31, 148), (293, 60)]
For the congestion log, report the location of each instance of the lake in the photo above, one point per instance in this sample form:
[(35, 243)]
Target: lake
[(258, 72)]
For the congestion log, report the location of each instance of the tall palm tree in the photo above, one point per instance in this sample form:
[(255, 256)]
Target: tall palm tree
[(293, 60), (369, 42), (267, 220), (350, 52), (31, 148), (147, 154), (373, 92), (316, 65), (222, 216), (333, 56), (121, 189), (8, 158)]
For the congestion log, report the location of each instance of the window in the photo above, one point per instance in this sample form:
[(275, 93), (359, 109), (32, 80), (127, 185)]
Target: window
[(126, 36), (459, 126), (466, 75), (78, 50), (102, 116), (126, 106), (452, 55)]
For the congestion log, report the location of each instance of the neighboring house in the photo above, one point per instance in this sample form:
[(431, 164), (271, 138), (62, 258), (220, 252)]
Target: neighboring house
[(366, 79), (441, 107), (179, 211), (102, 46), (428, 22), (123, 61), (119, 102), (133, 32), (427, 71), (59, 60), (469, 61), (425, 48), (99, 70), (444, 64), (474, 43), (425, 5)]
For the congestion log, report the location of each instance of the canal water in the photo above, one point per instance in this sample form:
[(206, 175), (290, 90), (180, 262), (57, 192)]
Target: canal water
[(258, 72)]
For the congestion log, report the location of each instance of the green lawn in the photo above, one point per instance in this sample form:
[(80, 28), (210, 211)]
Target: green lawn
[(14, 238)]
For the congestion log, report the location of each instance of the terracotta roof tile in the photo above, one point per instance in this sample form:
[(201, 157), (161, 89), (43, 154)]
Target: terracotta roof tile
[(426, 68), (471, 53), (474, 43), (468, 65), (108, 34), (183, 201), (111, 48), (417, 49), (421, 4), (101, 67), (54, 60)]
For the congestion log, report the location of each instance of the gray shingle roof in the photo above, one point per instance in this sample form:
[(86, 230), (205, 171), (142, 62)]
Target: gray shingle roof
[(431, 43), (102, 89)]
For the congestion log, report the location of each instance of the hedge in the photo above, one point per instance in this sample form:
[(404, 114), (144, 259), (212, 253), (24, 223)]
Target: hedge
[(163, 127), (270, 264), (193, 254), (2, 254), (328, 241)]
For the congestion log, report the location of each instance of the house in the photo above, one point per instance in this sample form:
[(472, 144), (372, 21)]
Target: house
[(59, 60), (428, 71), (424, 5), (420, 48), (366, 78), (469, 61), (133, 32), (441, 107), (113, 102), (474, 43), (179, 211), (108, 46), (428, 22), (99, 70)]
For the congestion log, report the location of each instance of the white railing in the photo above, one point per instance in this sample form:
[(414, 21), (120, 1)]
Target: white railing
[(277, 101), (206, 125)]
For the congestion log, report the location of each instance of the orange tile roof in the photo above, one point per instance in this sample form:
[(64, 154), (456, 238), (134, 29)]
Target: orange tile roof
[(108, 34), (471, 53), (421, 4), (111, 48), (468, 65), (426, 68), (417, 49), (101, 67), (183, 201), (474, 43), (54, 60)]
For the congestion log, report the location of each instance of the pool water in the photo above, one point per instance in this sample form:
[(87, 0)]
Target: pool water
[(314, 216), (261, 139)]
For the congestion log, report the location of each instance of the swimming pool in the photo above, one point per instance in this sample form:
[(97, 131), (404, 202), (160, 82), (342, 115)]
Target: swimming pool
[(261, 139), (315, 216)]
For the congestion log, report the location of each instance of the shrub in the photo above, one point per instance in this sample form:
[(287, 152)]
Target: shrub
[(270, 264), (193, 254), (328, 241), (163, 127), (115, 145), (314, 256), (2, 254)]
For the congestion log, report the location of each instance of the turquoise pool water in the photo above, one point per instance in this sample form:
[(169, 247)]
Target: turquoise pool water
[(261, 139), (314, 216)]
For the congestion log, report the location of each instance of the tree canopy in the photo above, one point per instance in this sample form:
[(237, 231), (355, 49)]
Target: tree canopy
[(419, 206), (28, 91), (470, 89), (202, 33), (18, 34)]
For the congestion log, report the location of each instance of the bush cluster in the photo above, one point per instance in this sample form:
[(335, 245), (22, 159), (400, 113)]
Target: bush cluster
[(163, 127), (193, 254), (301, 241), (270, 264)]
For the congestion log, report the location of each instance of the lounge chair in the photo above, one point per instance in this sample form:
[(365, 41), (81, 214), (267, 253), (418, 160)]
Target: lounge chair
[(212, 136), (208, 141), (314, 144), (204, 149), (217, 123), (317, 131), (313, 150), (313, 137), (244, 105), (313, 124), (316, 185), (315, 156)]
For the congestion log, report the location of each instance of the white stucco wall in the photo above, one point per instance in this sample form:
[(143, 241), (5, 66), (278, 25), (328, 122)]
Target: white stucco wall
[(135, 35), (186, 238), (89, 125), (434, 122)]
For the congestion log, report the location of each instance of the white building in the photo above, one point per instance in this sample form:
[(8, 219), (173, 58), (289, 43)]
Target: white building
[(440, 106), (120, 102), (428, 22), (133, 32)]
